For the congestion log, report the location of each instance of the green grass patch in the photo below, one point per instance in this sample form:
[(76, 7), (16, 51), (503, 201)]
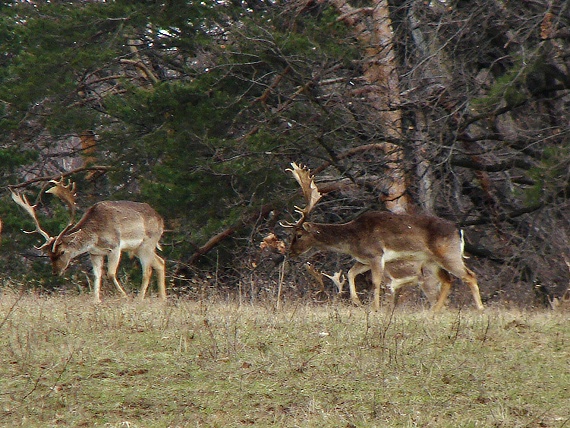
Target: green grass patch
[(68, 362)]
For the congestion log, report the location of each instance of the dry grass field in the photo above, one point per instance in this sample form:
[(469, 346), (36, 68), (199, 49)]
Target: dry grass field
[(67, 362)]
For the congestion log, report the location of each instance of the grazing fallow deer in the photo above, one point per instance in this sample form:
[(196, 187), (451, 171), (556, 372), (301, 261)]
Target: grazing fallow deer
[(377, 238), (105, 230)]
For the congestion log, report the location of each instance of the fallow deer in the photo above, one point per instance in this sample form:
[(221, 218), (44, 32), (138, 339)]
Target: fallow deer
[(376, 238), (105, 230)]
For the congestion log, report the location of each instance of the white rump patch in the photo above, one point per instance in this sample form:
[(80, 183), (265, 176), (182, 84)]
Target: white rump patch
[(130, 244), (390, 255)]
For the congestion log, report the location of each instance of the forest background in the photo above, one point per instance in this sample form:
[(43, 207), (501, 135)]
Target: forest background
[(453, 108)]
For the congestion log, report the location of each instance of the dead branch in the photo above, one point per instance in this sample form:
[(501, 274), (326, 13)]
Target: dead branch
[(48, 178), (226, 233)]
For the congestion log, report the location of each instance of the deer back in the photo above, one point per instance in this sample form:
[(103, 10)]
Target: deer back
[(412, 233), (380, 233), (109, 224)]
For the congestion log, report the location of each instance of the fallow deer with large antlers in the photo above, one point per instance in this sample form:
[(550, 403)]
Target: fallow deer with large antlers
[(377, 238), (105, 230)]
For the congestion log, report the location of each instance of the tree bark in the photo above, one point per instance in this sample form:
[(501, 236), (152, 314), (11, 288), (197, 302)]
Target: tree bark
[(373, 28)]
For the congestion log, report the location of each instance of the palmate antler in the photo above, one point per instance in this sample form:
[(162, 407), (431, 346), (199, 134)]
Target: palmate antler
[(310, 191), (22, 200), (66, 193)]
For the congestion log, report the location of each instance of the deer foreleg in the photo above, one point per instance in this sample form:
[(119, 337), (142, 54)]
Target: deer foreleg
[(377, 268), (354, 271), (97, 263), (113, 259)]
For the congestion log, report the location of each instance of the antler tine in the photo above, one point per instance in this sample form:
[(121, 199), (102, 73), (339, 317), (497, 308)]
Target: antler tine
[(298, 209), (22, 200), (310, 190), (286, 224), (66, 193), (338, 279)]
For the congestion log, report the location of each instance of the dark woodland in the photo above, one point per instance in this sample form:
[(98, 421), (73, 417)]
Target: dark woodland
[(459, 109)]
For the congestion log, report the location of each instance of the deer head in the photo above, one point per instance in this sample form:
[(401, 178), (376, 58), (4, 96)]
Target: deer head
[(65, 192), (58, 254)]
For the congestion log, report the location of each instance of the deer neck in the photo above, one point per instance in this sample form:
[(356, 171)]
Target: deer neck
[(79, 241), (334, 237)]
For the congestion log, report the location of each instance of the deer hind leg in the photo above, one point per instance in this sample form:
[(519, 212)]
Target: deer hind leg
[(97, 263), (446, 281), (471, 280), (453, 263), (159, 266), (147, 273), (149, 261), (354, 271), (113, 259)]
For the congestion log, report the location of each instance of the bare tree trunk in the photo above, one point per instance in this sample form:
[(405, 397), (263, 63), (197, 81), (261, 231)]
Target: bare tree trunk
[(423, 73), (424, 170), (373, 28)]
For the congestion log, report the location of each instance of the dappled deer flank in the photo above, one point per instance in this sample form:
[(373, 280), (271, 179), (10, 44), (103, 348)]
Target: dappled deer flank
[(105, 230), (378, 238)]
